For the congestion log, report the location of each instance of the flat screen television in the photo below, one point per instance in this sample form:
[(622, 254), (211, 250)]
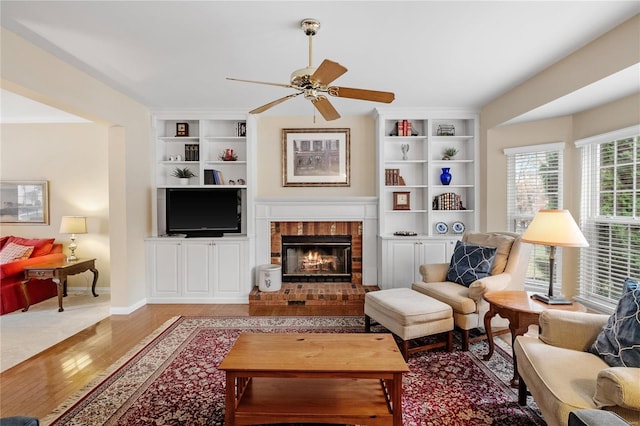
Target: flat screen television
[(203, 212)]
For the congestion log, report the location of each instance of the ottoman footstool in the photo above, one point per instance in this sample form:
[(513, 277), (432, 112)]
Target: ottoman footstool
[(409, 315)]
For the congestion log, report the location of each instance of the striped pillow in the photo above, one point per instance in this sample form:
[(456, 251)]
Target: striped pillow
[(13, 251)]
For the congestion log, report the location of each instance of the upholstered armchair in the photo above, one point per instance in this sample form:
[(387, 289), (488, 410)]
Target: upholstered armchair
[(469, 307), (563, 375)]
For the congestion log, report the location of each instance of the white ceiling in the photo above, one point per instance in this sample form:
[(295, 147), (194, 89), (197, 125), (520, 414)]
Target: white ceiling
[(173, 55)]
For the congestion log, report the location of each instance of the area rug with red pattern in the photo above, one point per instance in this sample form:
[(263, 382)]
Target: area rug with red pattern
[(171, 378)]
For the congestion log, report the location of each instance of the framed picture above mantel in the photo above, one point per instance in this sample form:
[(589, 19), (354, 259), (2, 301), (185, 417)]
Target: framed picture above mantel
[(316, 157)]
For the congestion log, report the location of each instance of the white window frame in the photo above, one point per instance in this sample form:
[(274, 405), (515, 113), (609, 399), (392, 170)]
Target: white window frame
[(517, 221), (609, 259)]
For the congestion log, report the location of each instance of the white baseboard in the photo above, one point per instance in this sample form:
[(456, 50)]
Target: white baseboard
[(129, 309), (99, 290), (200, 300)]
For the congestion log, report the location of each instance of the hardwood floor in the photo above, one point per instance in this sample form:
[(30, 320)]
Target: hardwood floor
[(38, 385)]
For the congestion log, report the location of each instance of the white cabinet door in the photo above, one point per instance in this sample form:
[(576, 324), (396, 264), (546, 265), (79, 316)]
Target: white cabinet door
[(197, 271), (401, 259), (230, 277), (438, 251), (398, 260), (164, 266), (404, 255)]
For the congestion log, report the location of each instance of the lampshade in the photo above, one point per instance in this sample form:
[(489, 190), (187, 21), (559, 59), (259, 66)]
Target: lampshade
[(73, 225), (554, 228)]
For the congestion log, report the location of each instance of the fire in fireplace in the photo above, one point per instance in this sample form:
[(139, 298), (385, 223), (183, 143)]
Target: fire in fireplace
[(316, 258)]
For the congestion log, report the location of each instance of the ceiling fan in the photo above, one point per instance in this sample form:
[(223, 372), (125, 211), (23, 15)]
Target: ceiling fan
[(313, 83)]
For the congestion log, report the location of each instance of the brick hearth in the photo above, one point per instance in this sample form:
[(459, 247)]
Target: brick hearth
[(312, 294)]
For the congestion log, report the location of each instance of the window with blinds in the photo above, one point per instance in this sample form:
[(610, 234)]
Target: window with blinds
[(534, 182), (610, 217)]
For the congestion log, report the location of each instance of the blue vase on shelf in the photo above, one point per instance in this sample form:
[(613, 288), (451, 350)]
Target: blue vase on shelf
[(445, 177)]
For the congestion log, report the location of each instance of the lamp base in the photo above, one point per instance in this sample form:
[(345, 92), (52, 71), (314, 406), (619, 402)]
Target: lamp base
[(551, 300)]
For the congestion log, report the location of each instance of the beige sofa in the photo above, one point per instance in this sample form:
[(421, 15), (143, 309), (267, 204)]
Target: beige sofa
[(563, 376), (468, 304)]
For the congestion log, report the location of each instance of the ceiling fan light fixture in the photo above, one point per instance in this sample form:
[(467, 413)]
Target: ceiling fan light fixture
[(300, 78), (310, 94)]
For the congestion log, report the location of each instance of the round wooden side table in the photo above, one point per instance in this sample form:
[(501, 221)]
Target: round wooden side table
[(522, 311)]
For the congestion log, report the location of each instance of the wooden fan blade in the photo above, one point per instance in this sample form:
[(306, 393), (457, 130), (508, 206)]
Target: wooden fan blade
[(327, 72), (265, 107), (261, 82), (364, 94), (325, 108)]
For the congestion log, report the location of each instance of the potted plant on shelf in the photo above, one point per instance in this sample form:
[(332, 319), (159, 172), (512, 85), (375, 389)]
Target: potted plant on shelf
[(449, 153), (183, 174)]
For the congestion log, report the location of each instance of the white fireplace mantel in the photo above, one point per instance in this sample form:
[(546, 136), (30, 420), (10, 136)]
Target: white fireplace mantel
[(360, 209)]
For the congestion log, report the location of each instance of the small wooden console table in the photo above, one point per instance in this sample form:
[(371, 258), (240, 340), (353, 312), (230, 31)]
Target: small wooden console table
[(315, 377), (521, 311), (58, 272)]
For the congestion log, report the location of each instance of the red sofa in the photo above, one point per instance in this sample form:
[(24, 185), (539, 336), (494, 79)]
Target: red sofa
[(12, 273)]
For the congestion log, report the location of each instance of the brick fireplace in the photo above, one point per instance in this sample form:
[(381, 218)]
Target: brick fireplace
[(306, 214), (329, 216), (329, 238)]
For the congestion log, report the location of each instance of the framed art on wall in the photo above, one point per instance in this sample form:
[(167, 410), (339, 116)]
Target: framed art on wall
[(24, 202), (316, 157)]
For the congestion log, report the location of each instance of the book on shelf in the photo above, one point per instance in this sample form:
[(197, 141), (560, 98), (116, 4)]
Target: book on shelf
[(213, 177), (241, 129), (447, 201), (208, 177), (401, 127), (392, 177), (404, 128), (192, 152), (217, 176)]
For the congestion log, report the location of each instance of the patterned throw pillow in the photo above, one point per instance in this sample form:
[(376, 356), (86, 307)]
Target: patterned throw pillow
[(13, 251), (618, 344), (470, 262), (41, 246)]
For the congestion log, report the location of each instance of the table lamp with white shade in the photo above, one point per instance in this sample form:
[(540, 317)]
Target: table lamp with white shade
[(73, 225), (554, 228)]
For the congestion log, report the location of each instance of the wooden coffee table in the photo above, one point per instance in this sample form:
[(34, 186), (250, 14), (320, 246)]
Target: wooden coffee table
[(314, 377), (521, 311)]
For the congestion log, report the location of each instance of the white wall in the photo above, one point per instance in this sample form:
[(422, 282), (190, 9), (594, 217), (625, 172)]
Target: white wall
[(73, 159), (363, 156), (622, 113), (36, 74), (614, 51)]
